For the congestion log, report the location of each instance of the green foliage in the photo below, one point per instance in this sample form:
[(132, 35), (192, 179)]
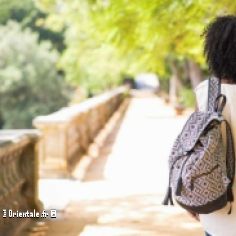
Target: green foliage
[(8, 7), (88, 60), (34, 22), (30, 84), (107, 37), (26, 13)]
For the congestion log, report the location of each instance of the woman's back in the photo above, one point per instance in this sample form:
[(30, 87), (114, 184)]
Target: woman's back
[(220, 223)]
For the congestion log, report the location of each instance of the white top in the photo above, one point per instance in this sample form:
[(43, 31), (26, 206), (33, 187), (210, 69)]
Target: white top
[(220, 223)]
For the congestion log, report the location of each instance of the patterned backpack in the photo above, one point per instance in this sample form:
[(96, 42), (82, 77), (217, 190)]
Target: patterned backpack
[(201, 169)]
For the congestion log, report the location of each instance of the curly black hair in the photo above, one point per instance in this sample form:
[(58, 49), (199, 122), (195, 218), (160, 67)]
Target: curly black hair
[(220, 47)]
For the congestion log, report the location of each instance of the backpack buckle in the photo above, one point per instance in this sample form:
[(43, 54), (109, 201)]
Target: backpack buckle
[(220, 102)]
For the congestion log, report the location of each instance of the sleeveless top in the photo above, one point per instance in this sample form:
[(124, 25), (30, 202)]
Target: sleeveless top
[(219, 223)]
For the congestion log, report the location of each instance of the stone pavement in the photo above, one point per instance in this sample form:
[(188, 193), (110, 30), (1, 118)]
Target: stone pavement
[(123, 185)]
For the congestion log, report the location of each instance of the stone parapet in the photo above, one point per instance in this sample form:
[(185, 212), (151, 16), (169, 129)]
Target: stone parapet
[(18, 177), (67, 133)]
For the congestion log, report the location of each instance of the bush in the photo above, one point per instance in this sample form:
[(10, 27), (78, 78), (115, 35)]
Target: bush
[(30, 84)]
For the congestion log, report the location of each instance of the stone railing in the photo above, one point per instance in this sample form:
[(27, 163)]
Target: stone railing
[(67, 133), (18, 177)]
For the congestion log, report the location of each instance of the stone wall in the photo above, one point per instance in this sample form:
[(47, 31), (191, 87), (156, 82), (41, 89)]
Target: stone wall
[(67, 133), (18, 177)]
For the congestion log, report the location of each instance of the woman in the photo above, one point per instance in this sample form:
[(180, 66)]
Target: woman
[(220, 52)]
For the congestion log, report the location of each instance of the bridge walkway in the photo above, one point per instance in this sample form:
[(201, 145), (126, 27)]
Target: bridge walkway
[(123, 183)]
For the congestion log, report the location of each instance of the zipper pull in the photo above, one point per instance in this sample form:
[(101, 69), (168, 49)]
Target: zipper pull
[(230, 196), (179, 187), (168, 197), (230, 208)]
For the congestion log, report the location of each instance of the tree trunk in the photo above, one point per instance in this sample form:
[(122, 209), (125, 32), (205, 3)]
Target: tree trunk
[(175, 83), (195, 73)]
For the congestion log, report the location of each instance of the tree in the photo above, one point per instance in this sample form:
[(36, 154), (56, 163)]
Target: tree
[(29, 16), (30, 84), (141, 35)]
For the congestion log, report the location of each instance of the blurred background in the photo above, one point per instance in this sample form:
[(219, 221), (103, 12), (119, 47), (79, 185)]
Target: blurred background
[(51, 48), (92, 96)]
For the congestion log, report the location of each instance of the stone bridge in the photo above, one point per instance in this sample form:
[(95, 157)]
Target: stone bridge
[(98, 168)]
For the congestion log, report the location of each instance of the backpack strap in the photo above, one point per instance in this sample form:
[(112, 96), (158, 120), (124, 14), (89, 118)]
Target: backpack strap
[(230, 160), (214, 90)]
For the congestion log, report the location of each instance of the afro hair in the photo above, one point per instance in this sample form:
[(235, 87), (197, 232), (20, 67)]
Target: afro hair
[(220, 47)]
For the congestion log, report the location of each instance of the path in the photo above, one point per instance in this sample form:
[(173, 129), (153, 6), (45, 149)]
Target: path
[(122, 190)]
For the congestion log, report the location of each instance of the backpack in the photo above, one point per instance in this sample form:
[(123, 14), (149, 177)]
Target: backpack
[(201, 168)]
